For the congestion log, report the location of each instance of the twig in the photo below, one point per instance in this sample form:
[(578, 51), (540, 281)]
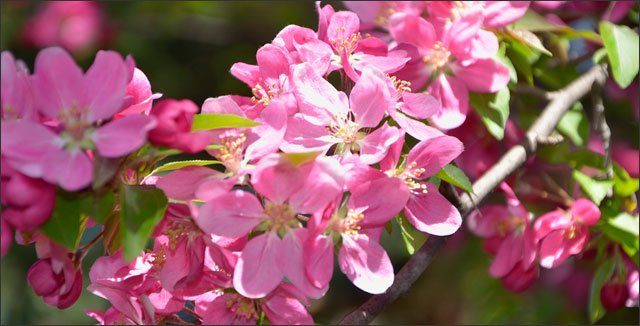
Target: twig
[(510, 161), (532, 90), (600, 124)]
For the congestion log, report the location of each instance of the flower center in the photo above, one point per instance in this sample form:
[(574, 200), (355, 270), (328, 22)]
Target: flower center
[(385, 10), (244, 308), (232, 145), (509, 225), (349, 225), (281, 215), (438, 57), (345, 43), (262, 95), (344, 127), (409, 176)]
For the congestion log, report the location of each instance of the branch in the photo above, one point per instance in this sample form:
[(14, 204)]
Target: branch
[(510, 161)]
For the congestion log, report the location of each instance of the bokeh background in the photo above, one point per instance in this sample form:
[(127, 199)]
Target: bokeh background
[(186, 50)]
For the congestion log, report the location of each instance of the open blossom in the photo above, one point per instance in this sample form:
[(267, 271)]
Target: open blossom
[(511, 238), (77, 26), (284, 305), (564, 233), (27, 202), (444, 61), (290, 191), (327, 117), (15, 84), (173, 126), (79, 106), (376, 13), (426, 208), (351, 52), (139, 97)]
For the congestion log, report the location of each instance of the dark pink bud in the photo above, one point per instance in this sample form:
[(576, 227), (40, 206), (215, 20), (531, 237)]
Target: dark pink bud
[(42, 278), (29, 201), (614, 295), (61, 289), (518, 279), (173, 129)]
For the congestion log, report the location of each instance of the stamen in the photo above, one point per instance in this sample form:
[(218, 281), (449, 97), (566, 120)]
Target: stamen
[(438, 57)]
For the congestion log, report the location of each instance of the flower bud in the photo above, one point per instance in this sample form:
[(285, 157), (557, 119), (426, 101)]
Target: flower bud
[(60, 289), (173, 129), (613, 295)]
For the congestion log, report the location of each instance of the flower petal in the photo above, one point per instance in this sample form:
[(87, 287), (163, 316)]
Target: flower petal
[(123, 136), (366, 264), (257, 272), (432, 213), (233, 214)]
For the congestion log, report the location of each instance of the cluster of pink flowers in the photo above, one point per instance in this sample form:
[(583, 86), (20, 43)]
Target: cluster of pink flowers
[(321, 173)]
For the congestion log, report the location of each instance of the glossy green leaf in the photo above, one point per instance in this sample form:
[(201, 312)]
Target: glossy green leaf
[(529, 39), (453, 175), (218, 121), (63, 226), (623, 184), (596, 190), (575, 125), (181, 164), (142, 208), (493, 110), (99, 206), (622, 45), (602, 274), (523, 59), (623, 229)]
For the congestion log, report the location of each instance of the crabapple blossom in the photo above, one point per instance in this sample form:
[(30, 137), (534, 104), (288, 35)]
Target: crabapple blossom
[(173, 126)]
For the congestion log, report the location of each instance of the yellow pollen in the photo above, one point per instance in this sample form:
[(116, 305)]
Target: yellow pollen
[(264, 96), (349, 225), (348, 43), (385, 10), (281, 215), (438, 57), (230, 154), (242, 307), (345, 128)]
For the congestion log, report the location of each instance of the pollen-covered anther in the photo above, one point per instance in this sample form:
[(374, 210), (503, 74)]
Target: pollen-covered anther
[(438, 57), (348, 43), (241, 306), (230, 152), (349, 225), (385, 10), (343, 127), (281, 215), (159, 257), (264, 96)]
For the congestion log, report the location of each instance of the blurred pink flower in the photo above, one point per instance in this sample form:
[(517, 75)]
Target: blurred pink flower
[(78, 26), (173, 126)]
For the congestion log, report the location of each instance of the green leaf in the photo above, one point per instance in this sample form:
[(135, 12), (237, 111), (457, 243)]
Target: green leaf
[(529, 39), (181, 164), (602, 274), (99, 207), (298, 159), (63, 226), (622, 45), (218, 121), (502, 57), (623, 229), (575, 125), (522, 58), (623, 184), (596, 190), (493, 109), (407, 238), (141, 209), (453, 175), (599, 56)]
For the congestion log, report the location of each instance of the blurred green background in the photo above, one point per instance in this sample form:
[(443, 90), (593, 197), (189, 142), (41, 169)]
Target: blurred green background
[(186, 50)]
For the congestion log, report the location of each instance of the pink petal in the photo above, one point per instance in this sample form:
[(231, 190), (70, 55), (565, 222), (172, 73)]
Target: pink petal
[(272, 62), (277, 179), (552, 251), (281, 309), (484, 222), (366, 264), (547, 223), (390, 161), (233, 214), (484, 76), (183, 184), (388, 64), (105, 85), (72, 170), (291, 260), (369, 98), (6, 238), (24, 143), (123, 136), (459, 37), (413, 30), (419, 105), (586, 211), (454, 99), (485, 45), (323, 184), (416, 129), (316, 96), (433, 154), (432, 213), (271, 131), (499, 14), (342, 25), (374, 146), (318, 260), (222, 105), (249, 74), (508, 255), (58, 81), (257, 272), (303, 136), (380, 200)]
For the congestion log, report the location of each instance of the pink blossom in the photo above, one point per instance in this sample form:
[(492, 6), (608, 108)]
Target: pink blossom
[(194, 182), (139, 97), (353, 53), (450, 49), (110, 317), (288, 191), (17, 94), (426, 209), (496, 14), (376, 13), (519, 279), (510, 231), (77, 26), (633, 286), (239, 146), (77, 102), (564, 233), (173, 129), (282, 306), (328, 117), (5, 237), (27, 202)]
